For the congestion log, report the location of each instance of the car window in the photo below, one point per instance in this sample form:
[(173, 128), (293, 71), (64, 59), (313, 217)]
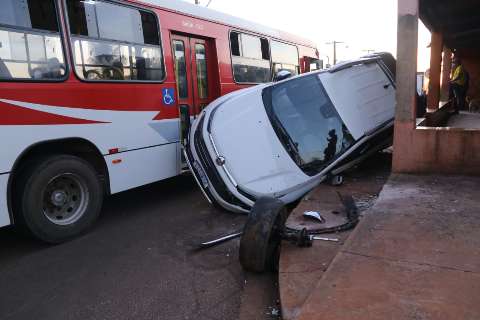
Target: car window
[(307, 123)]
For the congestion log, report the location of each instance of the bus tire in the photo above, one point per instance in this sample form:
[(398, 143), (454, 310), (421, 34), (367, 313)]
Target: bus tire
[(57, 197)]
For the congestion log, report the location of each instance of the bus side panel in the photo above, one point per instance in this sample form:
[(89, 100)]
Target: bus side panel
[(132, 134), (306, 52), (225, 65), (4, 217), (142, 167)]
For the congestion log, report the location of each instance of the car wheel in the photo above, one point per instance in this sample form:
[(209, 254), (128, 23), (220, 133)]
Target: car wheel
[(58, 197), (262, 235)]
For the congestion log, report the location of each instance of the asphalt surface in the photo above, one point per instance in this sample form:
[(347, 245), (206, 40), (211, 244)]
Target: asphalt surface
[(138, 262)]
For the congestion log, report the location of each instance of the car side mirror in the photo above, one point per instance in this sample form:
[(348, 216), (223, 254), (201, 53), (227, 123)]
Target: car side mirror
[(282, 75)]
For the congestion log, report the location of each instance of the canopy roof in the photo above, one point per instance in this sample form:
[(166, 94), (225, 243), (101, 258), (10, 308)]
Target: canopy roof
[(457, 20)]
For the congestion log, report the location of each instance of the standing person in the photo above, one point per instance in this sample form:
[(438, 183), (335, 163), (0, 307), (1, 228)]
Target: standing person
[(458, 84)]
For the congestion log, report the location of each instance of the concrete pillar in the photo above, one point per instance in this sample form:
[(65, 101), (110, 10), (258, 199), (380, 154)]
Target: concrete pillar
[(446, 70), (405, 112), (435, 72), (407, 46)]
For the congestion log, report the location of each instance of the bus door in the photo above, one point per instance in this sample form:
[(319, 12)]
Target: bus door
[(191, 73)]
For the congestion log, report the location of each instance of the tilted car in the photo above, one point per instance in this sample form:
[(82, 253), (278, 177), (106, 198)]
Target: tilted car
[(282, 139)]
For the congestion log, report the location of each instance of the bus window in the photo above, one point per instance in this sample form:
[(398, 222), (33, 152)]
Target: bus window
[(235, 44), (250, 58), (114, 42), (284, 57), (180, 69), (30, 45), (201, 62), (314, 64)]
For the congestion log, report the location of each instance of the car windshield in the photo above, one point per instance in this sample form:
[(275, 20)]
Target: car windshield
[(306, 122)]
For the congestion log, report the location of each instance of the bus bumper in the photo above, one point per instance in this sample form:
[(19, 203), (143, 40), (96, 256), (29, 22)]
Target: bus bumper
[(4, 216)]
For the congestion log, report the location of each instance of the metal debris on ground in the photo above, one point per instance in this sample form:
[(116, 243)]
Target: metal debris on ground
[(324, 239), (222, 239), (273, 312), (314, 215)]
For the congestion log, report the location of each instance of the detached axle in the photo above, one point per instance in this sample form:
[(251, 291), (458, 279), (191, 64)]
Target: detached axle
[(265, 229), (300, 238)]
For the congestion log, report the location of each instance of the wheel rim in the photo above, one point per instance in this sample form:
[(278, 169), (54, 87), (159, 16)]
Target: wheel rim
[(65, 199)]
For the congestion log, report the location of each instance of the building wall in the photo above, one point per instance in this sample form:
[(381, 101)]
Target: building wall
[(439, 150), (436, 150)]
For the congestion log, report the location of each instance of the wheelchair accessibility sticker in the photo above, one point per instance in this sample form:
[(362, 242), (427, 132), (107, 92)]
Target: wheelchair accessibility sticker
[(168, 96)]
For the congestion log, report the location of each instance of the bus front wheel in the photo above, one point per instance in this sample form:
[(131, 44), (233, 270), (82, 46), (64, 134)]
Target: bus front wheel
[(57, 197)]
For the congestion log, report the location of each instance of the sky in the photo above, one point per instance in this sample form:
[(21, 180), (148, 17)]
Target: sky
[(361, 25)]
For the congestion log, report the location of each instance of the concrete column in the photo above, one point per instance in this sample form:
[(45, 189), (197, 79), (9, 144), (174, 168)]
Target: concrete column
[(405, 112), (407, 46), (446, 70), (435, 72), (407, 43)]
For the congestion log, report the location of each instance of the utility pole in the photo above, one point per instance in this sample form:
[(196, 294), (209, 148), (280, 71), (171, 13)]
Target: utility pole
[(335, 50)]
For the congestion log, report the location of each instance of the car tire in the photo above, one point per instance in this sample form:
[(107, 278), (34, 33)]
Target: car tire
[(262, 235), (57, 197)]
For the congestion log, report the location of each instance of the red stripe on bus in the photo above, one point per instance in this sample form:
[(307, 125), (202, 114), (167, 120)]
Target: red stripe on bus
[(15, 115), (115, 97)]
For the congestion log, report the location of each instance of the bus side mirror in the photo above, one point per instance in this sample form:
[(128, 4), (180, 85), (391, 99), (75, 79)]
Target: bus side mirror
[(184, 123), (282, 75)]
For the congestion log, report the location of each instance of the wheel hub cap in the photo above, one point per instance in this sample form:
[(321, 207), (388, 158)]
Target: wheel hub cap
[(65, 199), (59, 198)]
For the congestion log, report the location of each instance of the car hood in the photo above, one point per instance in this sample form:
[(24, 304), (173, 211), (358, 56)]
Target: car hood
[(243, 135)]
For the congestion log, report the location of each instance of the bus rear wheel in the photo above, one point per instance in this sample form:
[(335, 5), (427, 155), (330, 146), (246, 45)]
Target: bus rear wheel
[(57, 198)]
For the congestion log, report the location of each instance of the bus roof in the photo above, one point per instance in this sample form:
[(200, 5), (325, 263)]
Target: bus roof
[(197, 11)]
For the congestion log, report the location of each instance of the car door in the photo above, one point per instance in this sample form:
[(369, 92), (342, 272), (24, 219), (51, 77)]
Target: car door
[(363, 95)]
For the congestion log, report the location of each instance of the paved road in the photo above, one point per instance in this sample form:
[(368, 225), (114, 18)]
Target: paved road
[(137, 263)]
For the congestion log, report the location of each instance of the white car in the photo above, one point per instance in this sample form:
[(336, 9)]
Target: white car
[(282, 139)]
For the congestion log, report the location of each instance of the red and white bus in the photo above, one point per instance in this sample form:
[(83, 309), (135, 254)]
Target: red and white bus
[(90, 93)]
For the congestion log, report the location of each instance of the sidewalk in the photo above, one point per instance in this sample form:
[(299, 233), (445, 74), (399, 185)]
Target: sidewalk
[(414, 255)]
